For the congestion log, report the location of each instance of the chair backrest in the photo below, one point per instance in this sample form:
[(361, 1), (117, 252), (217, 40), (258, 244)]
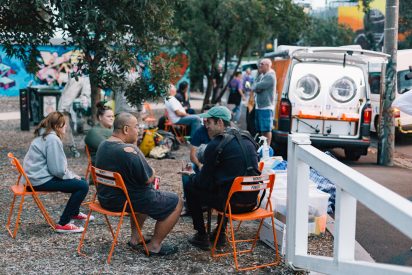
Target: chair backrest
[(148, 109), (252, 184), (17, 165), (167, 118), (89, 158), (111, 179)]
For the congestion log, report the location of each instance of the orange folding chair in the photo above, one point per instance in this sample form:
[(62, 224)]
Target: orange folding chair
[(179, 130), (248, 184), (261, 164), (21, 190), (113, 180), (89, 163), (150, 119)]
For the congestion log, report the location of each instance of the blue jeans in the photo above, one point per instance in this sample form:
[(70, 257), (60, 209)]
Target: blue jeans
[(78, 189), (193, 121), (236, 113)]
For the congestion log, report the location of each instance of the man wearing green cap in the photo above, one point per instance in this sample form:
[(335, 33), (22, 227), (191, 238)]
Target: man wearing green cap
[(222, 164)]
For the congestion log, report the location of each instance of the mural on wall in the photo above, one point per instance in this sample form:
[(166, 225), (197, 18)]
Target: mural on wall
[(55, 65), (369, 27), (54, 68)]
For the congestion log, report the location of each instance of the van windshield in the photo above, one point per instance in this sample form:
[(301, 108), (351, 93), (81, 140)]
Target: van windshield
[(404, 84)]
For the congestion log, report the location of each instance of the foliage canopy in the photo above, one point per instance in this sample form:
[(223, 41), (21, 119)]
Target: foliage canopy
[(327, 32), (111, 34), (215, 30)]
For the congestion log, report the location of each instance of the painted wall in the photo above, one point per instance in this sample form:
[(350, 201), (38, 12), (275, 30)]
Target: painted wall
[(363, 25), (54, 66)]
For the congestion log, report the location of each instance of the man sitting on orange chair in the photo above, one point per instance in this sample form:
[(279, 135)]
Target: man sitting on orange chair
[(177, 113), (120, 154), (211, 185)]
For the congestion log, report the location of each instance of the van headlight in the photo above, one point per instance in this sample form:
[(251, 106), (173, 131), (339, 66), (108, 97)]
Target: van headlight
[(308, 87), (343, 90)]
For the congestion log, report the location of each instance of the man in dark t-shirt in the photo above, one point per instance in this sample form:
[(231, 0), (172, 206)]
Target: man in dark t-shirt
[(212, 184), (120, 154)]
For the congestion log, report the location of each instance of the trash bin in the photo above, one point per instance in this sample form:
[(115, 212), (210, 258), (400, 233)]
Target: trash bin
[(24, 110), (43, 100)]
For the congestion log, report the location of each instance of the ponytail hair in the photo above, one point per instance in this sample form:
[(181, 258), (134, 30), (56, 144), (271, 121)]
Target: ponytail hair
[(101, 109)]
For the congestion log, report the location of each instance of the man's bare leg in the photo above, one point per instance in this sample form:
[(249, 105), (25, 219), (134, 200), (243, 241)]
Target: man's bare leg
[(162, 228), (268, 136), (135, 238)]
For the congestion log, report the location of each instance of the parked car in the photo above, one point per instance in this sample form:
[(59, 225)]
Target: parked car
[(403, 121), (324, 92)]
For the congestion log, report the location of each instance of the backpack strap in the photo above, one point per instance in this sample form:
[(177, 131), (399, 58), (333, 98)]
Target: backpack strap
[(219, 149)]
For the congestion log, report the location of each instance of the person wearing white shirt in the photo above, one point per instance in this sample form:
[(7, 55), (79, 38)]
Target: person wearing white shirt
[(177, 113)]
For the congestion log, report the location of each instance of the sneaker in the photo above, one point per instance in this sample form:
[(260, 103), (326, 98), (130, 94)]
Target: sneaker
[(82, 217), (68, 228), (200, 240)]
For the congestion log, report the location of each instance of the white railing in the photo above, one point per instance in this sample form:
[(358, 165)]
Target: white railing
[(351, 186)]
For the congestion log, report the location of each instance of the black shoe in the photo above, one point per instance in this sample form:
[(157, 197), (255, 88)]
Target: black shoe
[(200, 240), (221, 241)]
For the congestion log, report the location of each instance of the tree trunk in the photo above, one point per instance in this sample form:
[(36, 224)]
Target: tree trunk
[(95, 95), (386, 143), (206, 99)]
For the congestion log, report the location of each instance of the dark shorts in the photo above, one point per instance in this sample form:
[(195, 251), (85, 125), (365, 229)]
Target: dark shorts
[(156, 204), (263, 120)]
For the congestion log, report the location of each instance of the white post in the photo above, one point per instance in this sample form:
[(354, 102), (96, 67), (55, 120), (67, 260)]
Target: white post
[(345, 226), (297, 198)]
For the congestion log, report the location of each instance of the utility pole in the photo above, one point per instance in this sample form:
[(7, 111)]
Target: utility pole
[(386, 143)]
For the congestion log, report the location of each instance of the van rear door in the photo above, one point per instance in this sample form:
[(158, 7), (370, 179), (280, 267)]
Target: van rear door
[(327, 99)]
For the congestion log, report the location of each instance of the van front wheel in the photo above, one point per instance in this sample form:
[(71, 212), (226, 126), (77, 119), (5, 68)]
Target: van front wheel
[(353, 155)]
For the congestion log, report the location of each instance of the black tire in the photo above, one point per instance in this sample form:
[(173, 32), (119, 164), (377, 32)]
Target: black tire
[(353, 155), (376, 124)]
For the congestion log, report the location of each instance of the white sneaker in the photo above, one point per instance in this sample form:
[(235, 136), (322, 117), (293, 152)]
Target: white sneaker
[(82, 217)]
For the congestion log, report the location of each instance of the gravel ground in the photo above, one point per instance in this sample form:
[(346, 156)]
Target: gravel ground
[(37, 249)]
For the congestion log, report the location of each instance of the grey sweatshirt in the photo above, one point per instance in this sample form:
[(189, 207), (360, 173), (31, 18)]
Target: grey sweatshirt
[(46, 159), (264, 88)]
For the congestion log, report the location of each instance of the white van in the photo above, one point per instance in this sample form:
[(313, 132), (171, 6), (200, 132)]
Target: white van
[(324, 92), (404, 60)]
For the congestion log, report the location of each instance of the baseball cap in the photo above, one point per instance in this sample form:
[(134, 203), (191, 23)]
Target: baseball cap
[(218, 112)]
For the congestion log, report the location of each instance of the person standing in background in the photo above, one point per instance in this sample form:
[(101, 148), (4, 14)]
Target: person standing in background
[(236, 95), (78, 86), (264, 90)]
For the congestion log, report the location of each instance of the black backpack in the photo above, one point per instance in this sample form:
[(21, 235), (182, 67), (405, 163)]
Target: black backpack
[(229, 135)]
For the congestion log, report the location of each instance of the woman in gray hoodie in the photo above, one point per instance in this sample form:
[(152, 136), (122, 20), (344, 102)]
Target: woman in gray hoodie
[(46, 166)]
